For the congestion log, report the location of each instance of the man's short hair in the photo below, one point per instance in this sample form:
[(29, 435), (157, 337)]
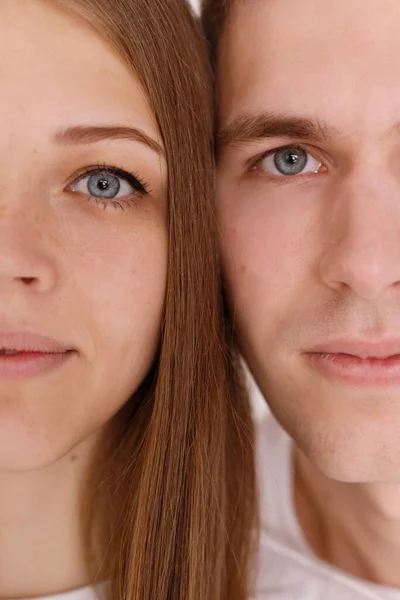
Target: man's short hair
[(214, 15)]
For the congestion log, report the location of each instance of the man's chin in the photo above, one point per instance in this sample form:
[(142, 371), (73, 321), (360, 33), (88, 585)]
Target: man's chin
[(350, 454)]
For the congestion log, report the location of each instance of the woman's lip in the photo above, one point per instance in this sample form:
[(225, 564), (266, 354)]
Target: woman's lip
[(26, 365), (36, 355), (23, 341), (355, 370)]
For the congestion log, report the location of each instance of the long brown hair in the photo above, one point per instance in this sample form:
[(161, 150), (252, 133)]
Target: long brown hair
[(173, 488)]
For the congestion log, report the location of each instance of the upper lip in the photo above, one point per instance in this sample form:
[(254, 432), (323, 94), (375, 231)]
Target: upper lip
[(360, 348), (31, 342)]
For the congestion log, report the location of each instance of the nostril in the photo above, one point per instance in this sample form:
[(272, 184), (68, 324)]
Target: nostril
[(28, 280)]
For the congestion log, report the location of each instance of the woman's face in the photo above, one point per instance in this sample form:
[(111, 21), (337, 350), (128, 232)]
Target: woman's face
[(83, 237)]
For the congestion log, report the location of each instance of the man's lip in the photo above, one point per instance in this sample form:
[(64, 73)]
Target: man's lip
[(363, 349), (22, 341)]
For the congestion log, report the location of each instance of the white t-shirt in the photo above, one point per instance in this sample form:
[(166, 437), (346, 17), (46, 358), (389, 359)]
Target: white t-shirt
[(288, 569)]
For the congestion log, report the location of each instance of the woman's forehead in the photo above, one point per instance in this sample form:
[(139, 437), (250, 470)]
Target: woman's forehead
[(57, 66)]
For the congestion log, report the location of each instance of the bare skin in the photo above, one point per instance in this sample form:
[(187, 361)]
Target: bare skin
[(309, 213), (84, 269)]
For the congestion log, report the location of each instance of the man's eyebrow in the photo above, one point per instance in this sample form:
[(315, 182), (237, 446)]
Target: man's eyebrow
[(250, 128), (91, 134)]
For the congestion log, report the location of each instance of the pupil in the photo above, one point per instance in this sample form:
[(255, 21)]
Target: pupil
[(103, 184)]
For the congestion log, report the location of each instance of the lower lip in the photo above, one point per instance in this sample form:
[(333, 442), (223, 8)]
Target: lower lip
[(30, 364), (355, 371)]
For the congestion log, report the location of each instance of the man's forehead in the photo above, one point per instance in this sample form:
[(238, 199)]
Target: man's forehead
[(307, 57)]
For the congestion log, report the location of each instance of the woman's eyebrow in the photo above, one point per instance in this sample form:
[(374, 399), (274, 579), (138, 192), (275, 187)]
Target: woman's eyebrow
[(91, 134), (252, 127)]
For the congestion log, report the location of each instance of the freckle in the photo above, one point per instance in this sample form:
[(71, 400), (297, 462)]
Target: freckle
[(73, 457), (243, 269)]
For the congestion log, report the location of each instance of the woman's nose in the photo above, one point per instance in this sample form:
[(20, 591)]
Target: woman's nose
[(25, 263)]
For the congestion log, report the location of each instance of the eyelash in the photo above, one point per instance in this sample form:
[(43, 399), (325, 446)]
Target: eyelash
[(140, 187)]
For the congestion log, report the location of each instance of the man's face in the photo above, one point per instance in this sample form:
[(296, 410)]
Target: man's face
[(309, 211)]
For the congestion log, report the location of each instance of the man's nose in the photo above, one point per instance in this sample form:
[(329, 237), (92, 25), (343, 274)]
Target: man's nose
[(361, 239), (25, 264)]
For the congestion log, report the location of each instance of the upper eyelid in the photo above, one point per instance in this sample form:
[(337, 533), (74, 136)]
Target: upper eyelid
[(93, 169), (90, 173)]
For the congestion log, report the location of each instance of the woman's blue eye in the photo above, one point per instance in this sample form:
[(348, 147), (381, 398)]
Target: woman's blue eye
[(104, 185), (108, 184), (289, 161)]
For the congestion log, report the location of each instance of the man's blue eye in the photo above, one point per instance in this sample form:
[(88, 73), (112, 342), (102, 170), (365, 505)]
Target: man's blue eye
[(289, 161)]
